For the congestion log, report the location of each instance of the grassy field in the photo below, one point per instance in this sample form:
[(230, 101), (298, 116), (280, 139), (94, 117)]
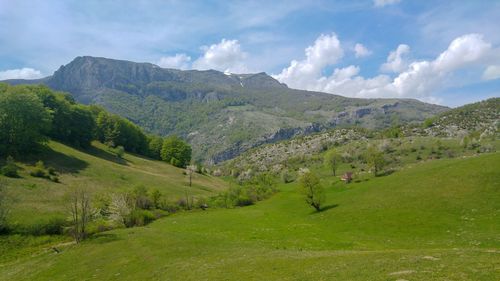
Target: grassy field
[(437, 220), (100, 171)]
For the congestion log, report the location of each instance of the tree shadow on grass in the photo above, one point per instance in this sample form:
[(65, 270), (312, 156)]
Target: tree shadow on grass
[(61, 162), (325, 208), (106, 155), (103, 238)]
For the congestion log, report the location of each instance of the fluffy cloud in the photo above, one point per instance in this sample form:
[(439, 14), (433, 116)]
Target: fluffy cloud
[(225, 56), (382, 3), (325, 51), (23, 73), (361, 51), (397, 60), (492, 72), (179, 61), (419, 79)]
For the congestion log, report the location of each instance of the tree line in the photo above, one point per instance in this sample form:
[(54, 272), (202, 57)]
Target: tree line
[(30, 115)]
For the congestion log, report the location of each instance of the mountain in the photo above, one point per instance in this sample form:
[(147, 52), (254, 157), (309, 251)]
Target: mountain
[(220, 114), (477, 122)]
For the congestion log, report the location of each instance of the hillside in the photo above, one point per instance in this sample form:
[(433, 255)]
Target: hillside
[(221, 115), (434, 221), (101, 172), (481, 117), (475, 126)]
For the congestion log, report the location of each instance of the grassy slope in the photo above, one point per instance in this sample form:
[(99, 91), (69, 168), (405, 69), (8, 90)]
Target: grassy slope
[(434, 221), (100, 171)]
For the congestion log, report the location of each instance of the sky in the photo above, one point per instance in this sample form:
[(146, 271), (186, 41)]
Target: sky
[(444, 52)]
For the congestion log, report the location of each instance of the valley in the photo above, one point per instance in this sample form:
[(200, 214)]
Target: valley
[(433, 221)]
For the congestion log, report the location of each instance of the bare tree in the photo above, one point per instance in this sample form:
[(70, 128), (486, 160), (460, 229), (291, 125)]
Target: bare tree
[(81, 212), (190, 170)]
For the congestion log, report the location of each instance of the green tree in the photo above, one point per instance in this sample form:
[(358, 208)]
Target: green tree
[(24, 121), (375, 160), (312, 189), (332, 160), (155, 144), (176, 151), (71, 123)]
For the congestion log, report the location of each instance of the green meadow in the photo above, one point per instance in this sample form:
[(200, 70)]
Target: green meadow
[(437, 220), (100, 171)]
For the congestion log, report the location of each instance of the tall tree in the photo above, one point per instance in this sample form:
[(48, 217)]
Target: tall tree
[(176, 151), (375, 160), (24, 121), (155, 144), (81, 213), (332, 160), (312, 190)]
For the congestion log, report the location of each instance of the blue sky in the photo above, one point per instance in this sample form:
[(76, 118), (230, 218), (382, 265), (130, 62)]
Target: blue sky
[(445, 52)]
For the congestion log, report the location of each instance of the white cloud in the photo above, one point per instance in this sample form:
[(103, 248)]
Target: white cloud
[(179, 61), (420, 79), (361, 51), (382, 3), (492, 72), (463, 50), (23, 73), (397, 60), (225, 56), (325, 51)]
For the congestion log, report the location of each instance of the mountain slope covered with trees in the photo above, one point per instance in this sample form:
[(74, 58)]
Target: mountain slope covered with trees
[(221, 115)]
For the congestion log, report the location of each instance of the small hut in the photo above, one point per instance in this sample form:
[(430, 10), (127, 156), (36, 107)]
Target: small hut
[(347, 177)]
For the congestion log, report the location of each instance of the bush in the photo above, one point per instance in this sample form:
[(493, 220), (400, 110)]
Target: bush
[(39, 171), (287, 176), (100, 225), (120, 151), (55, 179), (10, 168), (51, 171), (139, 217), (52, 226), (170, 207)]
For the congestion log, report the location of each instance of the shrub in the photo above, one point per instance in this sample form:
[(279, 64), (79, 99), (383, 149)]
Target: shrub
[(287, 176), (167, 206), (52, 226), (51, 171), (139, 218), (243, 200), (39, 171), (10, 168), (100, 225), (201, 203), (120, 151), (141, 197)]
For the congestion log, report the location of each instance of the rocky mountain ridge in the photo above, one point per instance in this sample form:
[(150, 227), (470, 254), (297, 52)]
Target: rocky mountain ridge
[(221, 114)]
